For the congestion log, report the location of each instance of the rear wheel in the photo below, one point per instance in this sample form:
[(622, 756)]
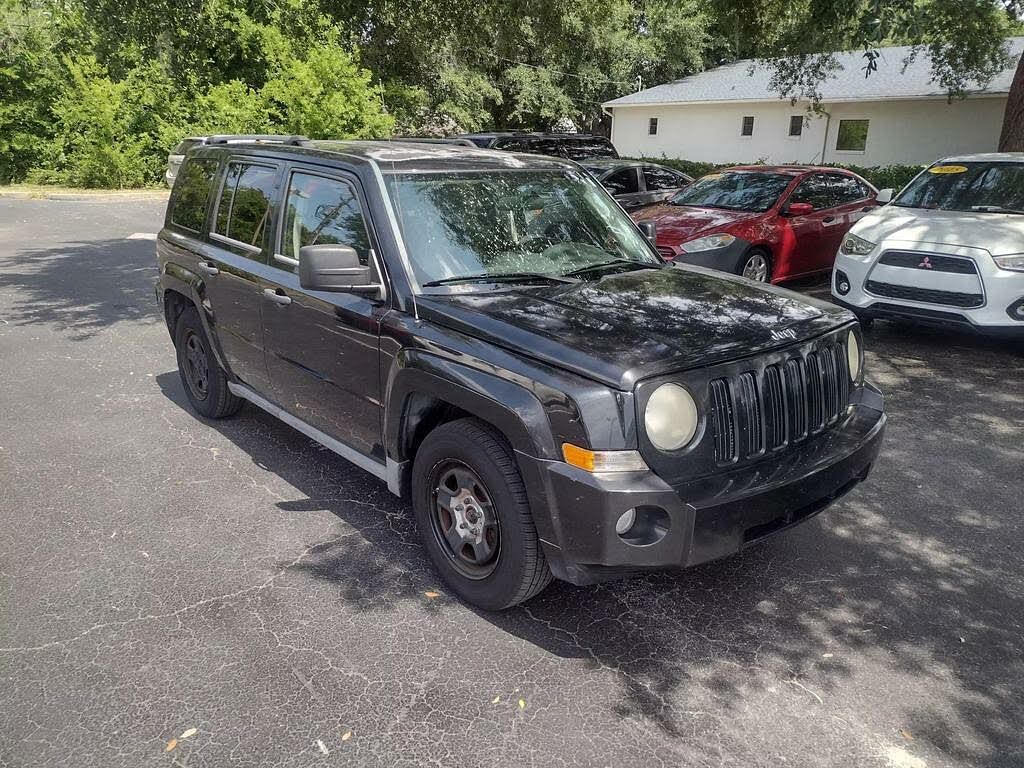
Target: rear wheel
[(474, 518), (206, 384), (756, 265)]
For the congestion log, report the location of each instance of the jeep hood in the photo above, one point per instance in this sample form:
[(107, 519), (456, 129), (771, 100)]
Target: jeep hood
[(627, 327), (998, 233)]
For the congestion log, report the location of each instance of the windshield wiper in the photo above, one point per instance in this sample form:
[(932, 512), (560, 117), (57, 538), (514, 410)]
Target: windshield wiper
[(507, 277), (994, 209), (613, 263)]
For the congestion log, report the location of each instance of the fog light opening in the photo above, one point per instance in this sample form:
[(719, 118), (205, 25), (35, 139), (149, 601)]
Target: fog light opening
[(842, 283), (1016, 310), (643, 526)]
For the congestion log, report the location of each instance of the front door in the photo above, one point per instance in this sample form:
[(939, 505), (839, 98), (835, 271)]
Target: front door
[(814, 233), (624, 185), (231, 263), (322, 347)]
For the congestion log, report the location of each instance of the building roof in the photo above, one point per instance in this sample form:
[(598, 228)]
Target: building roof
[(736, 81)]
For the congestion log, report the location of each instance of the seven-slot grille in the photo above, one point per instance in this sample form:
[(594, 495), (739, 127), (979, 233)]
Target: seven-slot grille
[(759, 411)]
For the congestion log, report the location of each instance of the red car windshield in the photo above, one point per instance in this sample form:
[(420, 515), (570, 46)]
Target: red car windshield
[(735, 191)]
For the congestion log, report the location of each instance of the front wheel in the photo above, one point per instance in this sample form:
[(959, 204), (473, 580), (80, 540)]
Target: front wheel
[(473, 516), (756, 265)]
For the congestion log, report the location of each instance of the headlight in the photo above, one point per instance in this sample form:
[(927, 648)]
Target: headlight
[(856, 246), (670, 417), (1014, 262), (853, 355), (708, 243)]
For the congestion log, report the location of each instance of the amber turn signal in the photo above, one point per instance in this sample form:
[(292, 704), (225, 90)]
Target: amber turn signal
[(603, 461)]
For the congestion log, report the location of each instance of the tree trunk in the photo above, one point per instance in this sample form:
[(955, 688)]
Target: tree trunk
[(1012, 139)]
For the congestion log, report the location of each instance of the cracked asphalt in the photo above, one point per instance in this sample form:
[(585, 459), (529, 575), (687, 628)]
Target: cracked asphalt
[(160, 573)]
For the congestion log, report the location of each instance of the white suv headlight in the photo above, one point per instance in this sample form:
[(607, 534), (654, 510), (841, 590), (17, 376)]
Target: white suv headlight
[(670, 417), (1014, 262), (856, 246), (707, 243)]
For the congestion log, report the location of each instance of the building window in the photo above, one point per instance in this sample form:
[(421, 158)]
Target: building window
[(853, 136), (748, 126), (652, 127), (796, 125)]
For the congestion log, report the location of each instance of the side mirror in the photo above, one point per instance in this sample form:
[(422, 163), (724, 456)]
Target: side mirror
[(885, 196), (649, 228), (799, 209), (334, 268)]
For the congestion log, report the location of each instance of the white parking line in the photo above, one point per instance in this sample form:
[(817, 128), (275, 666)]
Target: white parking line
[(142, 236)]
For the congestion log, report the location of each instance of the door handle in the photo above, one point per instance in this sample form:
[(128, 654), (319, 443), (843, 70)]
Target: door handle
[(828, 219), (278, 298), (867, 209), (207, 269)]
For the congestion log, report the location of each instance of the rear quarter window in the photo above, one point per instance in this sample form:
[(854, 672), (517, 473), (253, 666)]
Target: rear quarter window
[(191, 192)]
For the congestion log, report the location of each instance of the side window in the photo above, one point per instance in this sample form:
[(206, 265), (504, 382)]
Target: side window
[(322, 211), (622, 182), (195, 182), (814, 190), (652, 127), (243, 213), (747, 128), (658, 179), (847, 189), (796, 125)]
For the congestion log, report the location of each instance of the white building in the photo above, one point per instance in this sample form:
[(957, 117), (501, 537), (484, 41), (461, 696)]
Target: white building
[(894, 116)]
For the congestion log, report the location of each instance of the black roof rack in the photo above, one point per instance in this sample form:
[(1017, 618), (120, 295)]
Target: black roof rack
[(269, 138)]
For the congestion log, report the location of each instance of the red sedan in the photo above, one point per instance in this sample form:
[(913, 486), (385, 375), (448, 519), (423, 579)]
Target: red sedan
[(767, 223)]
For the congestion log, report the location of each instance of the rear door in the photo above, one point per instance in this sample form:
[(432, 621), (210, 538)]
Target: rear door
[(661, 183), (853, 199), (322, 347), (624, 184), (814, 233), (230, 268)]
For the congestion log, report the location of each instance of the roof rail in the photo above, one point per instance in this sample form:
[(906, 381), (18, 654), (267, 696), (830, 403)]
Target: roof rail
[(269, 138)]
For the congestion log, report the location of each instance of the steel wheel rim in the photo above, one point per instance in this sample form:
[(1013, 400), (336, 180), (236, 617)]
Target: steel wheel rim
[(463, 520), (756, 268), (197, 367)]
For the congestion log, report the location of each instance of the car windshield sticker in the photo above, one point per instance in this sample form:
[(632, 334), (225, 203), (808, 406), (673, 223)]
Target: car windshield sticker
[(948, 169)]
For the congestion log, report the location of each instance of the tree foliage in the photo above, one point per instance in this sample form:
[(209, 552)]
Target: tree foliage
[(96, 92)]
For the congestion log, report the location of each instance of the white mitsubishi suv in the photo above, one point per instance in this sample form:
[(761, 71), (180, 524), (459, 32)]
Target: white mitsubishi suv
[(949, 248)]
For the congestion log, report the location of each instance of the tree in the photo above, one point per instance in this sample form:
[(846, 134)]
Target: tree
[(964, 39), (1012, 137)]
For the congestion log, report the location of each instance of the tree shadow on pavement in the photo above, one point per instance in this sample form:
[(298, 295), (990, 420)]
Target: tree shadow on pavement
[(83, 287), (916, 576)]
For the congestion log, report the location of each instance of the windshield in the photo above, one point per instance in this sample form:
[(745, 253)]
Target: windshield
[(996, 187), (735, 191), (511, 222)]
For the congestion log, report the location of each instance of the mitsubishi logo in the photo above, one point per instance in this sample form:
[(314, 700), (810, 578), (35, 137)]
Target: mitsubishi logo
[(925, 263), (786, 333)]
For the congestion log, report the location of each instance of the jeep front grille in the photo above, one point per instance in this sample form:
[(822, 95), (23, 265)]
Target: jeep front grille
[(759, 411)]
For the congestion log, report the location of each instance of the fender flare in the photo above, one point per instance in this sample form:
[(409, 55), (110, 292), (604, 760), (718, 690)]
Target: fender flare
[(507, 405), (183, 281)]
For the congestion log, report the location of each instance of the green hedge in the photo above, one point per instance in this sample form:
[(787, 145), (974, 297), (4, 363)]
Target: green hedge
[(883, 177)]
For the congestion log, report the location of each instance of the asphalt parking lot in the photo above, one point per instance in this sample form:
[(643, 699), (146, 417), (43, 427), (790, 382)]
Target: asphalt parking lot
[(160, 573)]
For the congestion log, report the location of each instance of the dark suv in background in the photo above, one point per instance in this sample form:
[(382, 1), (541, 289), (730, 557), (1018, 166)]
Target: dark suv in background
[(504, 347), (574, 146)]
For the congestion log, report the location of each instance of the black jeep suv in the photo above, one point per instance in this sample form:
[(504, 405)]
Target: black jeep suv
[(491, 335)]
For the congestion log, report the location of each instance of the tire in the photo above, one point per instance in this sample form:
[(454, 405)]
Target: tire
[(465, 475), (206, 384), (758, 263)]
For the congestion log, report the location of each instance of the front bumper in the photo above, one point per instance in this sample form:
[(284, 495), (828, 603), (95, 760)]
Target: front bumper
[(728, 259), (701, 520), (1000, 290)]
